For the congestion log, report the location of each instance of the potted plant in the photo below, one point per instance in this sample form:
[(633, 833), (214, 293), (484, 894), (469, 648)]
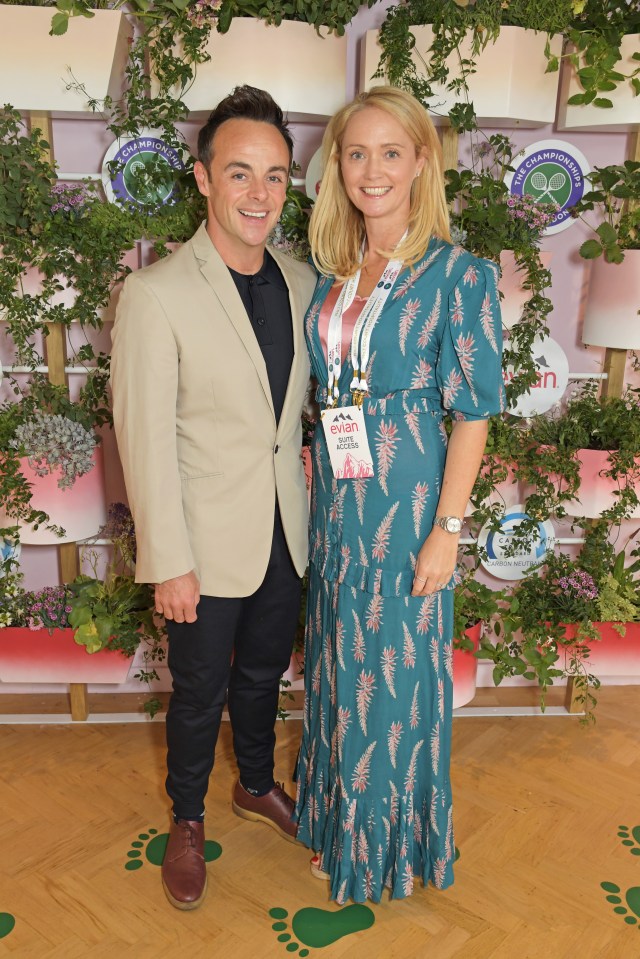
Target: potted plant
[(52, 484), (474, 605), (566, 619), (601, 70), (87, 630), (465, 59), (590, 452), (611, 210)]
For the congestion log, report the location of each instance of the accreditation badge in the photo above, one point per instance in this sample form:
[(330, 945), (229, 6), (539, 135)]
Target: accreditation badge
[(346, 436)]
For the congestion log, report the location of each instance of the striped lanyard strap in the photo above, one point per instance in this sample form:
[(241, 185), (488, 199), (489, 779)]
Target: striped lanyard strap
[(361, 338)]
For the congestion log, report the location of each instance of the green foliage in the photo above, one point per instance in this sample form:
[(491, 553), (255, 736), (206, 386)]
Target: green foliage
[(614, 197), (334, 14), (596, 34)]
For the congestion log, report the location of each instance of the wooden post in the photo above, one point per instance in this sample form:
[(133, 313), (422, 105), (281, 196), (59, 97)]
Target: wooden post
[(56, 358), (571, 694), (450, 148)]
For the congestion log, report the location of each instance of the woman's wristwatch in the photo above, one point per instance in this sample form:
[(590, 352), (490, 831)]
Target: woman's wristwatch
[(452, 524)]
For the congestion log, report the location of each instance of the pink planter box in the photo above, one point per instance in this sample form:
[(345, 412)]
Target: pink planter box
[(465, 669), (596, 491), (79, 510), (34, 656), (613, 655)]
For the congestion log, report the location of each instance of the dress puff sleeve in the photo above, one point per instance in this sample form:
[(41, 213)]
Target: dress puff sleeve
[(469, 368)]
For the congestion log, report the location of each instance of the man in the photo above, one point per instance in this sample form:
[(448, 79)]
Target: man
[(209, 371)]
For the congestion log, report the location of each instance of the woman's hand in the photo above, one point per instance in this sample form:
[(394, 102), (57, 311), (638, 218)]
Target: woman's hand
[(436, 562)]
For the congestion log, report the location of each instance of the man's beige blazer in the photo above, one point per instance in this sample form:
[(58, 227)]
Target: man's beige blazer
[(201, 453)]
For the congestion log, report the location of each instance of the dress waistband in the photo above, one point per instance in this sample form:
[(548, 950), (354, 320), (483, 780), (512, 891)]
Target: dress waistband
[(400, 402)]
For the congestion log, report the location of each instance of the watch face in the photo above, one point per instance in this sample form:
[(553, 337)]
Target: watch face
[(453, 524)]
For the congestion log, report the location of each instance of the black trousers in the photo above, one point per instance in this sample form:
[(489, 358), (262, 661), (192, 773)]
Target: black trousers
[(239, 648)]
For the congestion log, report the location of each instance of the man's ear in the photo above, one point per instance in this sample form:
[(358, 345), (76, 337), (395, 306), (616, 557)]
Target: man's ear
[(201, 174)]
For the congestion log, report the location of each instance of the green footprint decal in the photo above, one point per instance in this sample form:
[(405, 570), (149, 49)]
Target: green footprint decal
[(319, 927), (7, 922), (631, 838), (631, 911), (154, 845)]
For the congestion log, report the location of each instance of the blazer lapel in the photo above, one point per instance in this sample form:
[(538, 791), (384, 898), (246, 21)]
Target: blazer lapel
[(219, 279), (297, 318)]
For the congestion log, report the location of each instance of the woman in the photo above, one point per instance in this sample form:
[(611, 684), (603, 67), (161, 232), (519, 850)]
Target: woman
[(414, 334)]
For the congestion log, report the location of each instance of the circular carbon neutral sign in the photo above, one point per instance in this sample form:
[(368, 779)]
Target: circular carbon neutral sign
[(551, 171), (498, 560), (145, 169)]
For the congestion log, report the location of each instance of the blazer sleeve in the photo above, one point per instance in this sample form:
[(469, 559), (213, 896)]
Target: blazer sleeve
[(144, 381)]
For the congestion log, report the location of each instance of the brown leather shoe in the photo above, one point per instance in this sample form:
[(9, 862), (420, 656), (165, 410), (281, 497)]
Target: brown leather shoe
[(275, 809), (184, 873)]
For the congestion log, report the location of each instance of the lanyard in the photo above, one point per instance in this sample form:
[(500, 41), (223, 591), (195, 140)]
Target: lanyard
[(361, 339)]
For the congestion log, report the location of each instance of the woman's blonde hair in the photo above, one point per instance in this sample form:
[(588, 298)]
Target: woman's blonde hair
[(336, 229)]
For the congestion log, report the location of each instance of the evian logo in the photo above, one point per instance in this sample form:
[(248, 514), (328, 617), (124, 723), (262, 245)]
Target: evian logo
[(347, 425), (552, 368)]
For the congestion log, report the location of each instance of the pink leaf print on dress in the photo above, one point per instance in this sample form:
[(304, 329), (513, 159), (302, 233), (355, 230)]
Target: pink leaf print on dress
[(360, 777), (410, 778), (441, 698), (343, 721), (433, 811), (426, 611), (409, 654), (380, 545), (364, 559), (360, 491), (432, 321), (359, 644), (340, 642), (451, 388), (486, 320), (438, 872), (395, 804), (419, 501), (414, 714), (407, 316), (368, 883), (388, 659), (386, 441), (393, 741), (465, 348), (363, 846), (457, 312), (435, 747), (470, 277), (412, 420), (448, 660), (421, 375), (415, 274), (455, 254), (434, 651), (337, 506), (312, 315), (319, 472), (374, 613), (365, 688), (407, 879), (315, 678)]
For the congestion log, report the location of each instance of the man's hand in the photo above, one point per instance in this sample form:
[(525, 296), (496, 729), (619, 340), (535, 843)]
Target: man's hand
[(177, 598)]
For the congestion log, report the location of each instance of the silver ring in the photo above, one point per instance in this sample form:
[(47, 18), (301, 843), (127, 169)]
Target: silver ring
[(440, 585), (420, 579)]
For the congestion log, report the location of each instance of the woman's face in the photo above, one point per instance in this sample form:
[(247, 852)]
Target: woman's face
[(378, 162)]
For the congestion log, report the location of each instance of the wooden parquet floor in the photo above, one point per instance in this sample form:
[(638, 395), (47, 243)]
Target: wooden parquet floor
[(539, 806)]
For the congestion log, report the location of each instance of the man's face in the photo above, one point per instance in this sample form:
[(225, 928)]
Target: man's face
[(245, 187)]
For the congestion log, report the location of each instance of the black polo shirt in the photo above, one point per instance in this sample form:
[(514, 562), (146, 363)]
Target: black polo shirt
[(266, 299)]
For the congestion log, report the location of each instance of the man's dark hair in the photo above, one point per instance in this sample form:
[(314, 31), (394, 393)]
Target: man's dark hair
[(245, 103)]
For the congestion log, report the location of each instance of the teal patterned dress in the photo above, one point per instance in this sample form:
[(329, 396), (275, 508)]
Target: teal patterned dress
[(374, 793)]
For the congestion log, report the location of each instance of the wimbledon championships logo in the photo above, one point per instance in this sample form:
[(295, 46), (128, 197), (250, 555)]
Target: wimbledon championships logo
[(498, 562), (145, 169), (551, 171)]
